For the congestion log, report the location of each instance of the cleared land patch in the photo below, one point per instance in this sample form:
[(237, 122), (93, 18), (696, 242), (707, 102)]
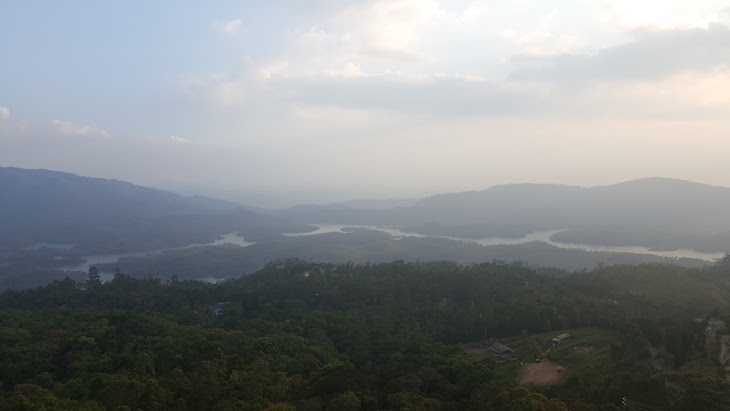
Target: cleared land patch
[(540, 374), (583, 348)]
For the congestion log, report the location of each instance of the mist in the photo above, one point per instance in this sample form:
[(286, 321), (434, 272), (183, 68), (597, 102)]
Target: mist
[(322, 106)]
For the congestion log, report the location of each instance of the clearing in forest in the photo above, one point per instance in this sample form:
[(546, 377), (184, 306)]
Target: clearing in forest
[(540, 374)]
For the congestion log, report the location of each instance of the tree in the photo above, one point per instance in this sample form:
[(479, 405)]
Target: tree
[(522, 399), (345, 402), (93, 279)]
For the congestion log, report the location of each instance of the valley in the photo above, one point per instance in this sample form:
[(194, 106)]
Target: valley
[(372, 205), (530, 224)]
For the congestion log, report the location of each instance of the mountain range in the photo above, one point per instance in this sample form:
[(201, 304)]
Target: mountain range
[(658, 213), (50, 220)]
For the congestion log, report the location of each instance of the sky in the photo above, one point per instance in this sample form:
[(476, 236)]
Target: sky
[(282, 102)]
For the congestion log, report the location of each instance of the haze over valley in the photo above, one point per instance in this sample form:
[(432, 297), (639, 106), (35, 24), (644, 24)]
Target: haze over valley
[(58, 224), (371, 205)]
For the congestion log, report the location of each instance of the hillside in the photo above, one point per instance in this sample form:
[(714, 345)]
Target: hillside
[(50, 220), (36, 202), (99, 215), (657, 213), (670, 288)]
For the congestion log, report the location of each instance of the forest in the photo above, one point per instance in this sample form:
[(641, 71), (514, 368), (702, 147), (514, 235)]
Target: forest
[(298, 335)]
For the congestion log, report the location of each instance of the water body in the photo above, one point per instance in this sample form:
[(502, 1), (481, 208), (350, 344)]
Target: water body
[(230, 238), (543, 236), (337, 228)]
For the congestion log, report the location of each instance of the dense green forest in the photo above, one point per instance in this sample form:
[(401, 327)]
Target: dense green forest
[(395, 336)]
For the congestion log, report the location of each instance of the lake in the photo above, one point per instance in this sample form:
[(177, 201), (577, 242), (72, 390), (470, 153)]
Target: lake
[(543, 236), (230, 238)]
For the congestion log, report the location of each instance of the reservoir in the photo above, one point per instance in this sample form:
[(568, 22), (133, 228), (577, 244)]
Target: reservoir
[(544, 236), (230, 238)]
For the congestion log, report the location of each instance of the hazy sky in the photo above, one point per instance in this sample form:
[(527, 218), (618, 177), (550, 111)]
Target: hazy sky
[(278, 102)]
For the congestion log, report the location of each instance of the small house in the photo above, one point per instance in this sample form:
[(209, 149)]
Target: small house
[(218, 308), (501, 351), (560, 338)]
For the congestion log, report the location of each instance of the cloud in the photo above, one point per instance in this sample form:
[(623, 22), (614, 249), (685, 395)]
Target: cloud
[(610, 82), (222, 89), (4, 112), (367, 34), (435, 95), (689, 95), (724, 15), (227, 27), (662, 14), (391, 28), (349, 71), (178, 140), (654, 53), (67, 128), (540, 42), (699, 96)]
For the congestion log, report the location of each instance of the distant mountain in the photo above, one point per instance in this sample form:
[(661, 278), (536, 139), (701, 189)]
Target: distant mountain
[(653, 212), (109, 215), (648, 203), (36, 200)]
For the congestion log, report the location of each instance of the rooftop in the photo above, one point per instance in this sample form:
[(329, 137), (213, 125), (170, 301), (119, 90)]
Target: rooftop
[(501, 348)]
